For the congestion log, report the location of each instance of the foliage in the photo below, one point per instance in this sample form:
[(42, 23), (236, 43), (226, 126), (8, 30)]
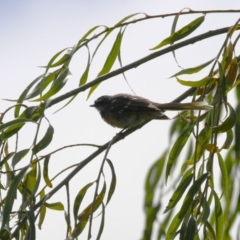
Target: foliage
[(197, 208)]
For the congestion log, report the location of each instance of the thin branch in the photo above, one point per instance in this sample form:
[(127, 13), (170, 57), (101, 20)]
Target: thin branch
[(138, 63)]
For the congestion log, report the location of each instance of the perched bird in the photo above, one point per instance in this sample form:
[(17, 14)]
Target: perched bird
[(128, 111)]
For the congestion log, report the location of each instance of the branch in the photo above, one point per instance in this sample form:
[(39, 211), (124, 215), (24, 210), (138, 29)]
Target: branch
[(138, 63)]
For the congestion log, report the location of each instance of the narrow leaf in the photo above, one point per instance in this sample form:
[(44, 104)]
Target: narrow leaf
[(178, 193), (7, 209), (177, 148), (190, 195), (113, 181), (19, 156), (228, 123), (79, 198), (201, 83), (219, 221), (181, 33), (58, 206), (45, 141), (110, 59), (194, 69), (225, 178), (45, 171)]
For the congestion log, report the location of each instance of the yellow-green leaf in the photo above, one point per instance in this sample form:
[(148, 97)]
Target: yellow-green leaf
[(181, 33)]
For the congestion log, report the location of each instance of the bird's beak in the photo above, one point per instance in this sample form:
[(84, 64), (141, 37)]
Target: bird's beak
[(92, 105)]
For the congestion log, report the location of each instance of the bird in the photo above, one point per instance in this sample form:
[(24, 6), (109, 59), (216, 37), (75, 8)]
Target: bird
[(129, 111)]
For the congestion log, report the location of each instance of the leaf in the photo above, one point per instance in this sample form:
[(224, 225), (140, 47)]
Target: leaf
[(200, 83), (181, 33), (172, 229), (42, 85), (84, 38), (194, 69), (127, 17), (210, 229), (45, 171), (14, 122), (79, 198), (58, 206), (24, 94), (228, 140), (42, 210), (178, 193), (100, 231), (45, 141), (228, 123), (225, 178), (7, 208), (191, 229), (84, 76), (57, 85), (152, 179), (85, 214), (6, 158), (19, 156), (177, 148), (218, 217), (51, 62), (113, 182), (31, 231), (191, 193), (110, 59)]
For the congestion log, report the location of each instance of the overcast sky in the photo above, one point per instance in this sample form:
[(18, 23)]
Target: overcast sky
[(33, 31)]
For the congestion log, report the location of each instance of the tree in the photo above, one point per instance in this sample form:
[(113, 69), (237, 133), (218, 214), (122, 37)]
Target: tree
[(198, 208)]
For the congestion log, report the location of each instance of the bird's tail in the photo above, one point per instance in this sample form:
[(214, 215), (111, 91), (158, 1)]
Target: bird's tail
[(184, 106)]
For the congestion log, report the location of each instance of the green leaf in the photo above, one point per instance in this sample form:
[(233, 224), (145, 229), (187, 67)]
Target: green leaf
[(84, 215), (219, 221), (84, 38), (100, 231), (178, 193), (57, 85), (177, 148), (45, 141), (14, 122), (42, 210), (194, 69), (7, 208), (19, 156), (84, 76), (58, 206), (6, 158), (181, 33), (127, 17), (225, 178), (172, 229), (191, 229), (79, 198), (201, 83), (191, 193), (210, 231), (24, 94), (228, 140), (228, 123), (152, 179), (31, 231), (42, 85), (113, 181), (45, 171), (110, 59), (51, 62)]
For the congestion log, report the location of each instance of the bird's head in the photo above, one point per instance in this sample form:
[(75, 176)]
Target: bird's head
[(101, 102)]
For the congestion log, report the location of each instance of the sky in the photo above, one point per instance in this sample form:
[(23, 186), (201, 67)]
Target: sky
[(33, 31)]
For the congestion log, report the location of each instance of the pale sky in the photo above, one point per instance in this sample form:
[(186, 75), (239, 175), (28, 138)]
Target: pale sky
[(33, 31)]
